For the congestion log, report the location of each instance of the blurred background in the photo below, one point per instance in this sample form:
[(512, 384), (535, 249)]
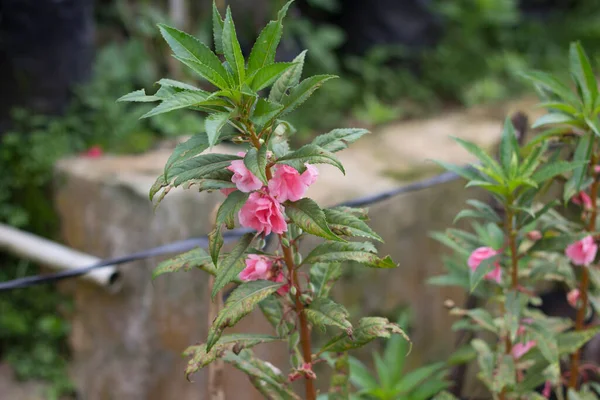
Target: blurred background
[(63, 63)]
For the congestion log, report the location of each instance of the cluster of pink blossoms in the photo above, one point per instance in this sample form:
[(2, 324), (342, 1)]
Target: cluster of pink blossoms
[(263, 211)]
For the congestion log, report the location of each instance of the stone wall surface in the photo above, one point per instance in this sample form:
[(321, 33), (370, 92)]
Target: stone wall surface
[(127, 345)]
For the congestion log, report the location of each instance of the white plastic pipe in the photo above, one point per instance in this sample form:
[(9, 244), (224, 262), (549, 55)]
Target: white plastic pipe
[(54, 255)]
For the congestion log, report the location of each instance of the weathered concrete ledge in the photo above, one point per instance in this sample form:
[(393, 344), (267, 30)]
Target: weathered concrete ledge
[(128, 346)]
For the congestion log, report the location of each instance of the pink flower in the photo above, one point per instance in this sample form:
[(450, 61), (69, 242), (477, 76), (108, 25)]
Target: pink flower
[(547, 389), (93, 152), (520, 349), (582, 199), (583, 251), (521, 330), (483, 253), (597, 169), (573, 297), (262, 213), (244, 180), (282, 291), (534, 235), (288, 184), (257, 267), (227, 191)]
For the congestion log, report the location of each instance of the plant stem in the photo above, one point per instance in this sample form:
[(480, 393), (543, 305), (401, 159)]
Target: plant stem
[(304, 331), (585, 277)]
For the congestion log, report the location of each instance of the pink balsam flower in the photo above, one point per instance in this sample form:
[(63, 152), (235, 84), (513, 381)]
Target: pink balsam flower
[(282, 291), (483, 253), (262, 213), (227, 191), (583, 251), (582, 199), (573, 297), (289, 184), (547, 389), (534, 235), (257, 267), (520, 349), (244, 180)]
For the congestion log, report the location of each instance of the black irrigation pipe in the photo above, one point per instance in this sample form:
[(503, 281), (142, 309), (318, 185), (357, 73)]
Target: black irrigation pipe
[(228, 236)]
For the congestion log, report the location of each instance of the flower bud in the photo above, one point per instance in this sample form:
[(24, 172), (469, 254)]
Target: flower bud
[(534, 235), (297, 258), (285, 242), (293, 290)]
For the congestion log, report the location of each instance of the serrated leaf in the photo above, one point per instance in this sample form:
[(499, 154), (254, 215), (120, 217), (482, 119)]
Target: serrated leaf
[(363, 253), (324, 311), (312, 154), (307, 215), (232, 264), (339, 139), (582, 154), (339, 387), (138, 96), (552, 84), (505, 375), (232, 50), (215, 243), (204, 61), (230, 207), (265, 111), (217, 22), (273, 311), (553, 118), (570, 342), (201, 167), (240, 303), (200, 357), (263, 376), (180, 85), (346, 224), (289, 79), (177, 101), (158, 184), (186, 150), (213, 125), (197, 258), (369, 328), (265, 47), (549, 171), (466, 172), (268, 74), (300, 93), (256, 162), (484, 157), (323, 276), (584, 76)]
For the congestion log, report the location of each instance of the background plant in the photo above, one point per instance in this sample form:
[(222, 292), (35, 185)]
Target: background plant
[(511, 251)]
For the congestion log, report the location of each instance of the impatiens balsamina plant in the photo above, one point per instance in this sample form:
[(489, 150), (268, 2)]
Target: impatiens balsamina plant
[(265, 186), (526, 241)]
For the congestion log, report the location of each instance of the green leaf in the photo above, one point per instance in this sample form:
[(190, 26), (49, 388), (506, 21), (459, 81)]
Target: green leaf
[(467, 172), (505, 374), (482, 156), (363, 253), (232, 49), (584, 76), (196, 258), (196, 55), (583, 152), (509, 148), (369, 328), (240, 303), (552, 84), (264, 111), (180, 85), (289, 79), (201, 166), (554, 118), (343, 223), (232, 264), (266, 75), (256, 162), (230, 207), (310, 218), (549, 171), (265, 47), (200, 357), (486, 266), (569, 342), (263, 376), (485, 359), (273, 311), (310, 154), (138, 96), (339, 139), (157, 186), (420, 376), (213, 125), (338, 389), (360, 375), (323, 311), (186, 150), (300, 93), (217, 22), (215, 243), (593, 125), (323, 276), (177, 101)]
